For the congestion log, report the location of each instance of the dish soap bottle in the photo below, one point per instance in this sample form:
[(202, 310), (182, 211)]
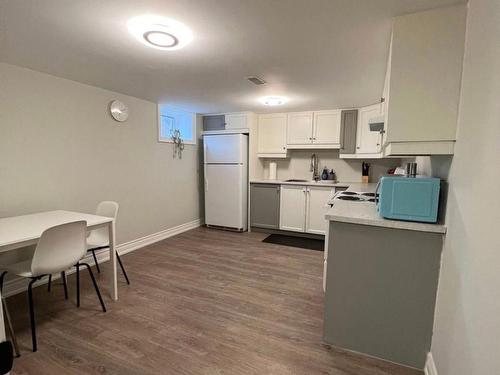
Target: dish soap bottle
[(324, 175)]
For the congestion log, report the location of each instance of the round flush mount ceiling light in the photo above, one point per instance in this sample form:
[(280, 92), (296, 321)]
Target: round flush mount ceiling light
[(160, 32), (273, 100)]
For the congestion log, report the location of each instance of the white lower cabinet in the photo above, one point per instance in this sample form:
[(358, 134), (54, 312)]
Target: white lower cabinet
[(316, 208), (293, 208), (303, 208)]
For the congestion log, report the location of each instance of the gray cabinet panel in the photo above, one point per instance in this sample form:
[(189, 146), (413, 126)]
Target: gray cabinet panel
[(264, 206), (348, 128), (381, 287), (214, 122)]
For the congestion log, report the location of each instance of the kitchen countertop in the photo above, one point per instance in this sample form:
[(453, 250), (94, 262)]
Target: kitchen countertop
[(365, 213), (304, 183), (351, 186)]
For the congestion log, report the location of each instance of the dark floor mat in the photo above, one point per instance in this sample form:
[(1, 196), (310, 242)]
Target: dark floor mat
[(304, 243)]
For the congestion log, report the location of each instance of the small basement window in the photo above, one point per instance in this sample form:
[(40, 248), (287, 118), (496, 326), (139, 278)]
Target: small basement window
[(171, 119)]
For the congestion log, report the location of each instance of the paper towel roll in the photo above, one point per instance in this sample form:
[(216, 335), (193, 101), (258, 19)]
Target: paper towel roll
[(272, 170)]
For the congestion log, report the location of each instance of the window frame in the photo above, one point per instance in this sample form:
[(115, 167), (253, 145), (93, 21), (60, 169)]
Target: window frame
[(169, 140)]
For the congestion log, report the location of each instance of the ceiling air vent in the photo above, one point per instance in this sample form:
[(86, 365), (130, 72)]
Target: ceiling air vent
[(256, 80)]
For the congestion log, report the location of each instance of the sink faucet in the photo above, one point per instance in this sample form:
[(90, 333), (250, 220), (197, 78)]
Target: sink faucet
[(314, 167)]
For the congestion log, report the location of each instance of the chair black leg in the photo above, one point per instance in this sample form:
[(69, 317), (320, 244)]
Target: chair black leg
[(63, 277), (32, 313), (10, 328), (95, 287), (1, 279), (50, 282), (77, 285), (95, 260), (123, 268)]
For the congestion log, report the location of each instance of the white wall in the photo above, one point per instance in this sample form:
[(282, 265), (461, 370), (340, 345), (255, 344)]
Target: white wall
[(297, 166), (467, 322), (60, 149)]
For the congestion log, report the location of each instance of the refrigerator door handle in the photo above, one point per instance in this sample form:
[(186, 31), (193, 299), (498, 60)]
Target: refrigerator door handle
[(205, 166)]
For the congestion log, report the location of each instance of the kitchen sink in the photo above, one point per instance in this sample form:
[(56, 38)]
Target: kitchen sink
[(296, 180)]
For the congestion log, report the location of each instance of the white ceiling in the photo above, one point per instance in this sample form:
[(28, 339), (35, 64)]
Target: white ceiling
[(320, 53)]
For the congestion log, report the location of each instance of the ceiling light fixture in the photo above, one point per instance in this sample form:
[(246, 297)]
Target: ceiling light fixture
[(160, 32), (273, 100)]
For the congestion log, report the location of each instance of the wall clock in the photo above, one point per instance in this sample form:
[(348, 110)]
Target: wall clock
[(118, 110)]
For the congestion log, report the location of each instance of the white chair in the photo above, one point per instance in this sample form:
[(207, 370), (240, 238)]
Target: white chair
[(99, 238), (58, 249)]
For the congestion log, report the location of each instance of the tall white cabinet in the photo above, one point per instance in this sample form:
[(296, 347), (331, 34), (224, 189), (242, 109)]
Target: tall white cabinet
[(424, 78)]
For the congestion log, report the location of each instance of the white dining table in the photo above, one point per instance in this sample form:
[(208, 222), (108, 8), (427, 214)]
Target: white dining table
[(25, 230)]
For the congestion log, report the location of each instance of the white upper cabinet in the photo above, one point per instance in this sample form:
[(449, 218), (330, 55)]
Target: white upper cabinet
[(300, 128), (272, 135), (314, 130), (367, 141), (236, 121), (232, 122), (327, 128), (424, 79)]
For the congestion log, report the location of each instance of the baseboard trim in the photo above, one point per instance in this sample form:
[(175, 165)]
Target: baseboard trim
[(127, 247), (327, 341), (19, 285), (430, 366)]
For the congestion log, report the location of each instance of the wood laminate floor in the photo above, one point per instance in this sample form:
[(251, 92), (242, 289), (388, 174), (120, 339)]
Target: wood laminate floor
[(204, 302)]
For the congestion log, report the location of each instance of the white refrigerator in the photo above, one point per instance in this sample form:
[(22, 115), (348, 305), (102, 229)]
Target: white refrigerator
[(226, 180)]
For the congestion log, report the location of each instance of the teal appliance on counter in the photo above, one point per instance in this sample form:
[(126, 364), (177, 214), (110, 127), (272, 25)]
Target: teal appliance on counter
[(409, 198)]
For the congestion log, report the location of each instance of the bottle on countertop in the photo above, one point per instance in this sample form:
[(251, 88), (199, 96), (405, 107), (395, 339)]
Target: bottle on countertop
[(365, 172), (324, 175), (331, 175)]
